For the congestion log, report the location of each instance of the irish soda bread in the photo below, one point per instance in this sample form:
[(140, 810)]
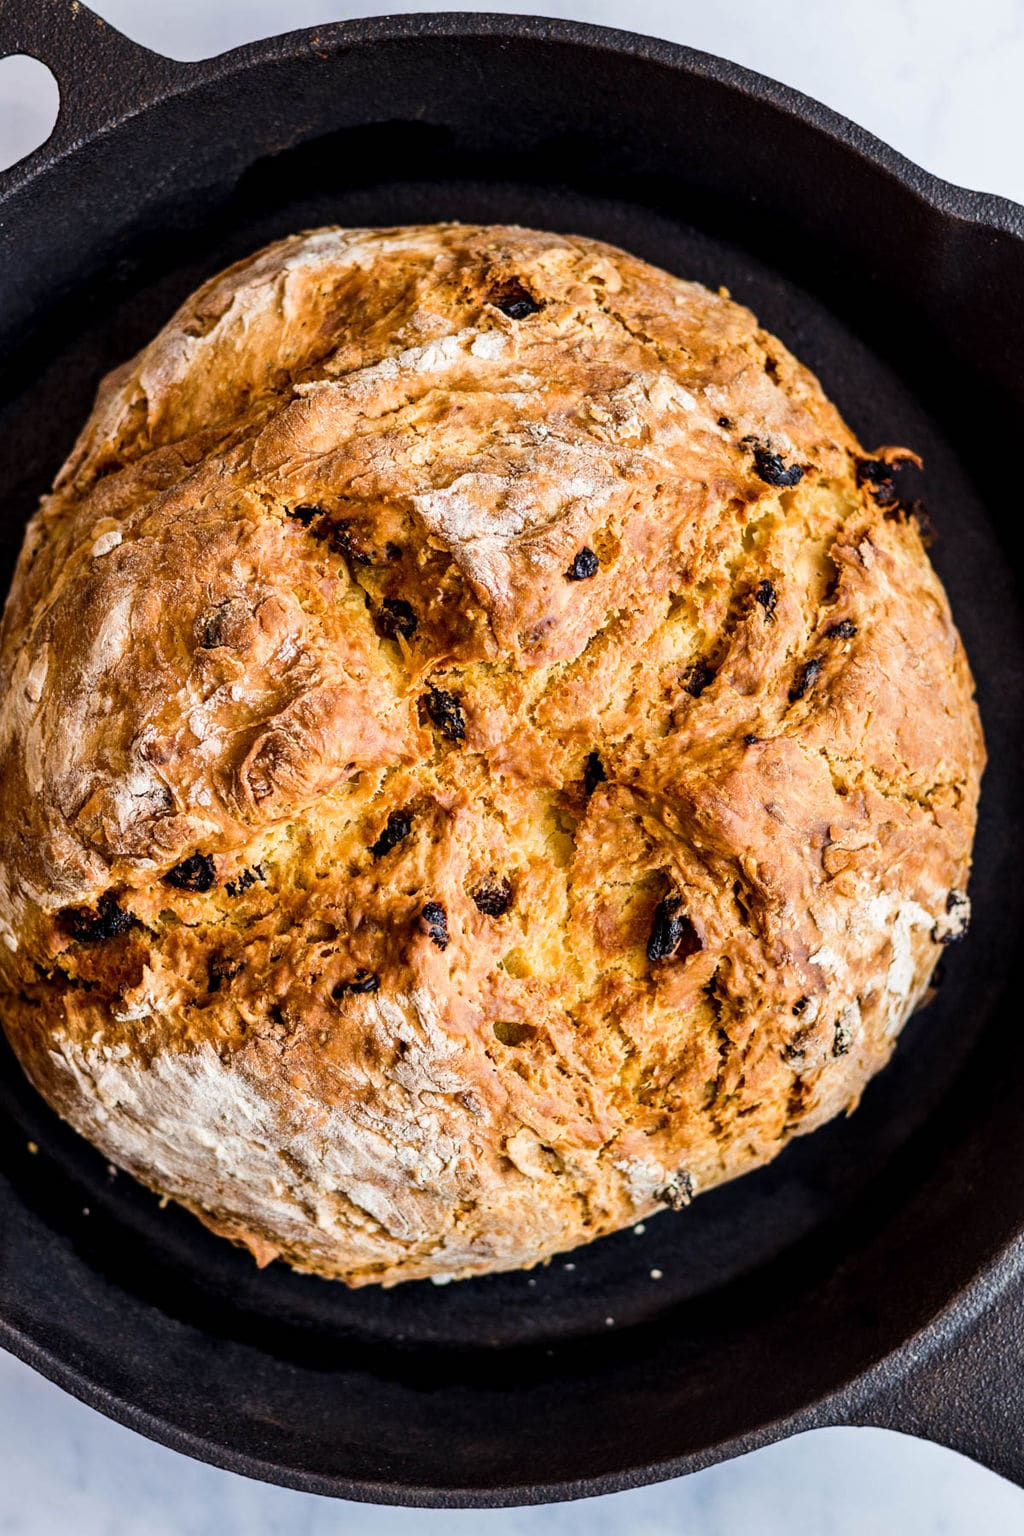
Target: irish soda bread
[(484, 754)]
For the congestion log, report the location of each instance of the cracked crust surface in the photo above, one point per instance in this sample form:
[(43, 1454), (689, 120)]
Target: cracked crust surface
[(482, 757)]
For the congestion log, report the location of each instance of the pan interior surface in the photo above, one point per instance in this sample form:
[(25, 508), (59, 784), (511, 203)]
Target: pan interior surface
[(651, 1346)]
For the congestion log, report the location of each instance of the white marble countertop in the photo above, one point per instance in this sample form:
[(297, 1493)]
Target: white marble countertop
[(942, 81)]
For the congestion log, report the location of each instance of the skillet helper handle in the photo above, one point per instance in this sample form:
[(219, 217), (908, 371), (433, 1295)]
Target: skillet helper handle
[(968, 1393), (102, 76)]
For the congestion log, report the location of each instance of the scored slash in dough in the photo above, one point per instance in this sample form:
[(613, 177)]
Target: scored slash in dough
[(482, 757)]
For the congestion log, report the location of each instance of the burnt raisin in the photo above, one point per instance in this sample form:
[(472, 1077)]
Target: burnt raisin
[(444, 710), (435, 919), (774, 471), (672, 932), (514, 301), (724, 422), (362, 981), (844, 630), (396, 829), (393, 551), (877, 477), (766, 595), (305, 514), (395, 617), (197, 873), (222, 968), (108, 921), (750, 739), (593, 774), (801, 1006), (805, 679), (494, 898), (584, 565), (697, 677), (679, 1193)]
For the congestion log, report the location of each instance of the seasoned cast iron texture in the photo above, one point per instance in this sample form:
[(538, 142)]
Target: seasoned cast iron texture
[(873, 1274)]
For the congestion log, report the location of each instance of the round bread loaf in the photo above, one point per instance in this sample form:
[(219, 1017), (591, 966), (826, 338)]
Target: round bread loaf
[(485, 754)]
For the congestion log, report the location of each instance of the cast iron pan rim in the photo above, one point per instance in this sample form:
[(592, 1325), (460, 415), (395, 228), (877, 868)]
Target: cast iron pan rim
[(984, 210), (162, 80), (849, 1404)]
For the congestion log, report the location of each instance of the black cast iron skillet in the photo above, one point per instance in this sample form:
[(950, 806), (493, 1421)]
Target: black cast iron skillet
[(875, 1273)]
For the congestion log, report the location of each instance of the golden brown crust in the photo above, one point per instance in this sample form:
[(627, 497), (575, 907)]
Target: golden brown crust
[(479, 759)]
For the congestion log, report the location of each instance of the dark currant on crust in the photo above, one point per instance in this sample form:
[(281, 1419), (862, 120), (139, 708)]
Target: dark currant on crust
[(672, 932), (773, 470), (697, 677), (396, 830), (435, 923), (514, 301), (878, 479), (342, 539), (247, 878), (805, 679), (109, 920), (845, 629), (305, 514), (394, 618), (197, 873), (362, 981), (444, 710), (584, 565), (494, 898), (766, 596)]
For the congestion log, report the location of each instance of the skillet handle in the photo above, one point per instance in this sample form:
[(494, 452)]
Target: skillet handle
[(967, 1392), (103, 76)]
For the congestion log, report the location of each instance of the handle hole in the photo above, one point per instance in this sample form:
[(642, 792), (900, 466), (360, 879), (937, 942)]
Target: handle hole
[(29, 103)]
